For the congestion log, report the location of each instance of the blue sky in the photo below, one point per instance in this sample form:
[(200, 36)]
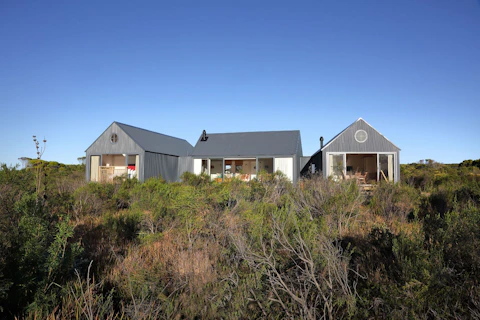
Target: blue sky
[(410, 68)]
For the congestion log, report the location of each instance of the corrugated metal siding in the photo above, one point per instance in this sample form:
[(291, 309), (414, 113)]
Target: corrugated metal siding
[(397, 162), (185, 164), (297, 166), (157, 164), (125, 144), (346, 142), (323, 156), (103, 145), (141, 170)]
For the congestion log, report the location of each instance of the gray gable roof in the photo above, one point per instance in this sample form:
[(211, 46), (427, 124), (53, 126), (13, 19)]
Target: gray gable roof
[(381, 140), (249, 144), (157, 142), (344, 141)]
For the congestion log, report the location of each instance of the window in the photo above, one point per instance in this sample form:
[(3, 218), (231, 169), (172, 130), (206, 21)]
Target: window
[(386, 162), (336, 166), (361, 136), (113, 138)]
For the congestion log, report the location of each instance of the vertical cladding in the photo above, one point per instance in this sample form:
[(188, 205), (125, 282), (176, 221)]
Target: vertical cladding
[(297, 160), (345, 142), (124, 144), (323, 156), (103, 145), (185, 164), (397, 163), (285, 165), (157, 164)]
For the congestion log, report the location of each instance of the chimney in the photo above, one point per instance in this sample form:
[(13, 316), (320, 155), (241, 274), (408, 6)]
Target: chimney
[(204, 136), (321, 142)]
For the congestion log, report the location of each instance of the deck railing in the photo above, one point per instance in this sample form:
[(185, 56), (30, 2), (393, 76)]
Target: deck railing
[(106, 174)]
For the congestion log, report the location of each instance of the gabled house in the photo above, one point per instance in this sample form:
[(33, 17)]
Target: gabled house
[(245, 154), (359, 152), (124, 150)]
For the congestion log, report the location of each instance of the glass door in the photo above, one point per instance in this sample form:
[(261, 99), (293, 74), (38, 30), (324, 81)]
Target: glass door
[(386, 167), (336, 166)]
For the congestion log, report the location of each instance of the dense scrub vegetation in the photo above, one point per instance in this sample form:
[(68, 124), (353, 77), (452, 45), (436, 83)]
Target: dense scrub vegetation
[(263, 249)]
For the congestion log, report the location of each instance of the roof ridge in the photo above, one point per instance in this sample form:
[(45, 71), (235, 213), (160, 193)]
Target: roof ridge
[(269, 131), (165, 135)]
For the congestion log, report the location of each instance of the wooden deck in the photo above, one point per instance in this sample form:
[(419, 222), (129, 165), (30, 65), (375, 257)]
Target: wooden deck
[(367, 188)]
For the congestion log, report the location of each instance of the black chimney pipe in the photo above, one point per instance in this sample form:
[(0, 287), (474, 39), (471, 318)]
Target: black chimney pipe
[(321, 142), (204, 136)]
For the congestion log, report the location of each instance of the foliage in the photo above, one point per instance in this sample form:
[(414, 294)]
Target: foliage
[(266, 248)]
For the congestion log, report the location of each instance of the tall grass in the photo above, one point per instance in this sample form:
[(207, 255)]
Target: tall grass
[(260, 249)]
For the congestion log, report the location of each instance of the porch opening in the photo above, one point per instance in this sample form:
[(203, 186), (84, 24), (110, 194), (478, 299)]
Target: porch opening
[(265, 165), (108, 166), (243, 169), (239, 168), (362, 166), (365, 167)]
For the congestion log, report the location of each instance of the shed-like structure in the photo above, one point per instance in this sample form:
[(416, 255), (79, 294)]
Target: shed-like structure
[(357, 151), (245, 154), (124, 150)]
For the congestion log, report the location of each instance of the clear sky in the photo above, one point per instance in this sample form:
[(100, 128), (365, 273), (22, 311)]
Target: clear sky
[(410, 68)]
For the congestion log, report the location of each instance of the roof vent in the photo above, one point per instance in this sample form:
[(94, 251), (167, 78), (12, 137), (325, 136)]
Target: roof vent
[(204, 136), (321, 142)]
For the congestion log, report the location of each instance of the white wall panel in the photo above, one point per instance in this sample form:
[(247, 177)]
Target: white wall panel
[(94, 163), (285, 165), (197, 166)]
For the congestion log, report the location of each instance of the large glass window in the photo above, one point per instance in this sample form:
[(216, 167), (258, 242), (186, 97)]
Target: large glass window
[(205, 166), (386, 167), (336, 166)]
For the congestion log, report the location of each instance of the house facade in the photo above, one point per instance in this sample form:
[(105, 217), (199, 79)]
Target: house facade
[(245, 154), (359, 152), (124, 150)]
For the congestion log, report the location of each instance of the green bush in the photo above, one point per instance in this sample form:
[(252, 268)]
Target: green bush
[(266, 248)]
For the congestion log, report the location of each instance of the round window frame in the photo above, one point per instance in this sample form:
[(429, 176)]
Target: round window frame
[(361, 131), (113, 138)]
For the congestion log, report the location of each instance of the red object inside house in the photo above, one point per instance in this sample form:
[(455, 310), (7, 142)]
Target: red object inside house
[(131, 168)]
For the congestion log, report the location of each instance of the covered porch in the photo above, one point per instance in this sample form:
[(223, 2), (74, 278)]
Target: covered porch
[(105, 167), (366, 168), (245, 169)]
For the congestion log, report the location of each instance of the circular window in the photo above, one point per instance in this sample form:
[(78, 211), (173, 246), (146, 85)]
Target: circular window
[(361, 136), (114, 138)]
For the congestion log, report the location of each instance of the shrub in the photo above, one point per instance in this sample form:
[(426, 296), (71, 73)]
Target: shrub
[(93, 199), (395, 201), (194, 180)]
